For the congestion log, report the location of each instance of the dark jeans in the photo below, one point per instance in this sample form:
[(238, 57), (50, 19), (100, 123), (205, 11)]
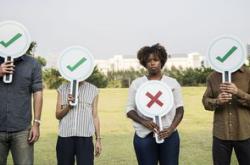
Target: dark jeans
[(222, 151), (148, 152), (68, 148), (17, 142)]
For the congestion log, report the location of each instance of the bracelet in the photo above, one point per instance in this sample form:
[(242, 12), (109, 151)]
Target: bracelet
[(37, 121)]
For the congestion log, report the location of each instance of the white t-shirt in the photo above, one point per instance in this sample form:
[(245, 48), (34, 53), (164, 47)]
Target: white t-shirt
[(167, 120)]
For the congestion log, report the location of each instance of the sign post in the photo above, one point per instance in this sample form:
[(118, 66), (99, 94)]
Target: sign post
[(75, 64), (154, 99), (14, 42)]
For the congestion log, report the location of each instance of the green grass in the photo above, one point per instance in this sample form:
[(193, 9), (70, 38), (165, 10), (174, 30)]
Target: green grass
[(117, 131)]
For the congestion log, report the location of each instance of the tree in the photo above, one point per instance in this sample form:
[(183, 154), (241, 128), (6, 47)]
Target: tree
[(52, 78), (98, 79), (189, 76), (32, 48), (31, 51), (123, 78), (42, 61)]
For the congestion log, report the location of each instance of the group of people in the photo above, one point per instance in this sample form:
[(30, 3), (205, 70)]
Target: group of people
[(79, 125)]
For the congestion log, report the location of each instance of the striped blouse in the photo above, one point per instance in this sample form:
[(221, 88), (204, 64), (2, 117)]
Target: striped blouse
[(79, 120)]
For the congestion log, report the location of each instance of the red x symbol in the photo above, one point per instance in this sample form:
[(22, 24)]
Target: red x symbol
[(154, 99)]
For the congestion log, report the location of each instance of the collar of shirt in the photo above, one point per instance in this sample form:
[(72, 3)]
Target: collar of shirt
[(21, 58)]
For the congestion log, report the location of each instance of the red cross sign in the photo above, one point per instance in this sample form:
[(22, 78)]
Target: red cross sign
[(154, 99)]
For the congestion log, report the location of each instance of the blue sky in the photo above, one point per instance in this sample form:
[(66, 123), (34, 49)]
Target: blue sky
[(114, 27)]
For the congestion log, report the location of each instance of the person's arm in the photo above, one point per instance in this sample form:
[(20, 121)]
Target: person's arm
[(37, 106), (132, 114), (98, 146), (177, 119), (178, 102), (37, 90), (62, 110), (212, 102), (243, 98), (209, 100), (146, 123), (6, 68)]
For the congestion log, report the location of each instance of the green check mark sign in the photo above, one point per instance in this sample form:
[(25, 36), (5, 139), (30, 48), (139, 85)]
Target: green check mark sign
[(76, 65), (11, 41), (227, 55)]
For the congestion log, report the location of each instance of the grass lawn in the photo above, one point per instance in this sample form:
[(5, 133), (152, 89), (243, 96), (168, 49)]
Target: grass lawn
[(117, 131)]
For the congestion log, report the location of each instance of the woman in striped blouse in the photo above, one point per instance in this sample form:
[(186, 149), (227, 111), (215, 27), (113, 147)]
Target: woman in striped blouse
[(77, 125)]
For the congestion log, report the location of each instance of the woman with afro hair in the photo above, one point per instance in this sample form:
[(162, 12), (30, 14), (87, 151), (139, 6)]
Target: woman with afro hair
[(148, 152)]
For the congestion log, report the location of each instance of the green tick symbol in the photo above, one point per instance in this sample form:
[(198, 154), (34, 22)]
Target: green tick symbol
[(75, 66), (12, 40), (229, 53)]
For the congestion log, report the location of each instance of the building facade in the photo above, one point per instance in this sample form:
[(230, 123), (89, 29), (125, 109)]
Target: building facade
[(119, 62)]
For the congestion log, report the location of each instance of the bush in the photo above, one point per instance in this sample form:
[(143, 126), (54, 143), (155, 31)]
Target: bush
[(53, 79), (98, 79)]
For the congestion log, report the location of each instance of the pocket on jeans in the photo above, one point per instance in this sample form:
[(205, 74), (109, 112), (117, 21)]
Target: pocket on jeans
[(21, 139)]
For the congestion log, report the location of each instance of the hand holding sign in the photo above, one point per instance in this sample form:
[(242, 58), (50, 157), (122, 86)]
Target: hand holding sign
[(75, 64), (154, 99), (14, 42), (6, 68)]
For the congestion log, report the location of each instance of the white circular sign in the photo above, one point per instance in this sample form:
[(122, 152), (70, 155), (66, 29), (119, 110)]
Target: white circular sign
[(226, 53), (154, 98), (76, 63), (14, 39)]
